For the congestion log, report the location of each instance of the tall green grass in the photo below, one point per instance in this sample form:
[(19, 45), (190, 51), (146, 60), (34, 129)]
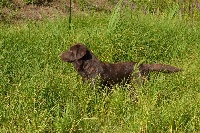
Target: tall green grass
[(114, 17), (40, 93)]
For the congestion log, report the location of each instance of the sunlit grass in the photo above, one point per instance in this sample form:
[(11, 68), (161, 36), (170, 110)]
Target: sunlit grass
[(39, 92)]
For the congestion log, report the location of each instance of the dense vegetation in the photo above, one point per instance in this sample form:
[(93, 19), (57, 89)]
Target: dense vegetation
[(40, 93)]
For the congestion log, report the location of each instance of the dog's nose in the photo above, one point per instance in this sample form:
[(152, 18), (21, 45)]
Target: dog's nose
[(60, 55)]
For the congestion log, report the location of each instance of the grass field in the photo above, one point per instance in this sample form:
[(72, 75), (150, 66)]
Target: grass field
[(40, 93)]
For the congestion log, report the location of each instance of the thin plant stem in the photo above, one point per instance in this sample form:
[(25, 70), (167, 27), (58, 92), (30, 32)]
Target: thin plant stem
[(70, 14)]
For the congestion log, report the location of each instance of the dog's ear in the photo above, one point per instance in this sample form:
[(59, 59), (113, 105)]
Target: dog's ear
[(79, 52), (76, 52)]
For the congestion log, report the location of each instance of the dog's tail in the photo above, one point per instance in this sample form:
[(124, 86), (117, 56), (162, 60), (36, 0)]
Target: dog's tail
[(161, 68)]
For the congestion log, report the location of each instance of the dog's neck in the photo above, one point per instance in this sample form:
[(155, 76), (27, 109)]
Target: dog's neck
[(89, 66)]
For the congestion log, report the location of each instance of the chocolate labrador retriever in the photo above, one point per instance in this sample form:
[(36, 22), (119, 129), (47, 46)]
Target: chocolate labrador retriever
[(90, 67)]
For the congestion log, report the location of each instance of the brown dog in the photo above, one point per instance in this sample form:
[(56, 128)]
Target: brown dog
[(90, 67)]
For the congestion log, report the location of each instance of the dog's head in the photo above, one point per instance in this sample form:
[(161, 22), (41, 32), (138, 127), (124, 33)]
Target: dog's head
[(75, 52)]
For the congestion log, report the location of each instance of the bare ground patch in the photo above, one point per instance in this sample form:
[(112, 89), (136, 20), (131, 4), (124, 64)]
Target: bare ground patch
[(20, 11)]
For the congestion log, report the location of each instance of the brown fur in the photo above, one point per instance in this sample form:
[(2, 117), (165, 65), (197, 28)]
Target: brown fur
[(90, 67)]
